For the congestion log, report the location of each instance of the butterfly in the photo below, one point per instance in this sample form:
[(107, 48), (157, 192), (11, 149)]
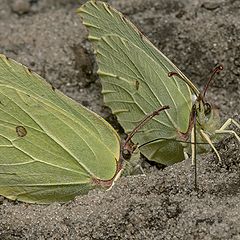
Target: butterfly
[(137, 78), (51, 147)]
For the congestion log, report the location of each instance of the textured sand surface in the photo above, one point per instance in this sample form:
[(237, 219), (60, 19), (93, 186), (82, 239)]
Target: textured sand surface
[(48, 37)]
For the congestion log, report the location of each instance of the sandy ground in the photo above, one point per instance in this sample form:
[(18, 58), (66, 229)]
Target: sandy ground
[(48, 37)]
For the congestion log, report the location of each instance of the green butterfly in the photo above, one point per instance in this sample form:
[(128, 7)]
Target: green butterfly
[(137, 78), (51, 148)]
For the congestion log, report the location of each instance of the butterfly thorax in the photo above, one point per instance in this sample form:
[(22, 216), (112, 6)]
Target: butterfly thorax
[(207, 120)]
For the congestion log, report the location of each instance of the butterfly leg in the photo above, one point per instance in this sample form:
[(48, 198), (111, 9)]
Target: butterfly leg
[(207, 138), (223, 129), (138, 169), (115, 179), (185, 155), (194, 148)]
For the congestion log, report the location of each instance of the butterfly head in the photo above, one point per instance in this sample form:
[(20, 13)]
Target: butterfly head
[(207, 116), (204, 111)]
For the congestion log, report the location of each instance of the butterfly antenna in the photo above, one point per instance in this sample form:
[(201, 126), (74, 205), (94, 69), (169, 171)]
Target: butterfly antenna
[(214, 71), (128, 147), (189, 83), (143, 122)]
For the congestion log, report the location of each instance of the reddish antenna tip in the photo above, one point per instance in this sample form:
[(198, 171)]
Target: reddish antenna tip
[(218, 69), (215, 70), (170, 74)]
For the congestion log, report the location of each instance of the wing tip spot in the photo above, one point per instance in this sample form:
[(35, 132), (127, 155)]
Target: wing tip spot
[(21, 131), (52, 87), (137, 83), (5, 59), (28, 70)]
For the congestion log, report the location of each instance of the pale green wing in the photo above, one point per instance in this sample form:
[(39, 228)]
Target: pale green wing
[(51, 148), (120, 71), (101, 19), (135, 81)]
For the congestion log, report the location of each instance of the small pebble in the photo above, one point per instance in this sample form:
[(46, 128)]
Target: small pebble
[(21, 6), (210, 5)]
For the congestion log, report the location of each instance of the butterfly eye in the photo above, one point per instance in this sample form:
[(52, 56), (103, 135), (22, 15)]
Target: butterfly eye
[(207, 108)]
